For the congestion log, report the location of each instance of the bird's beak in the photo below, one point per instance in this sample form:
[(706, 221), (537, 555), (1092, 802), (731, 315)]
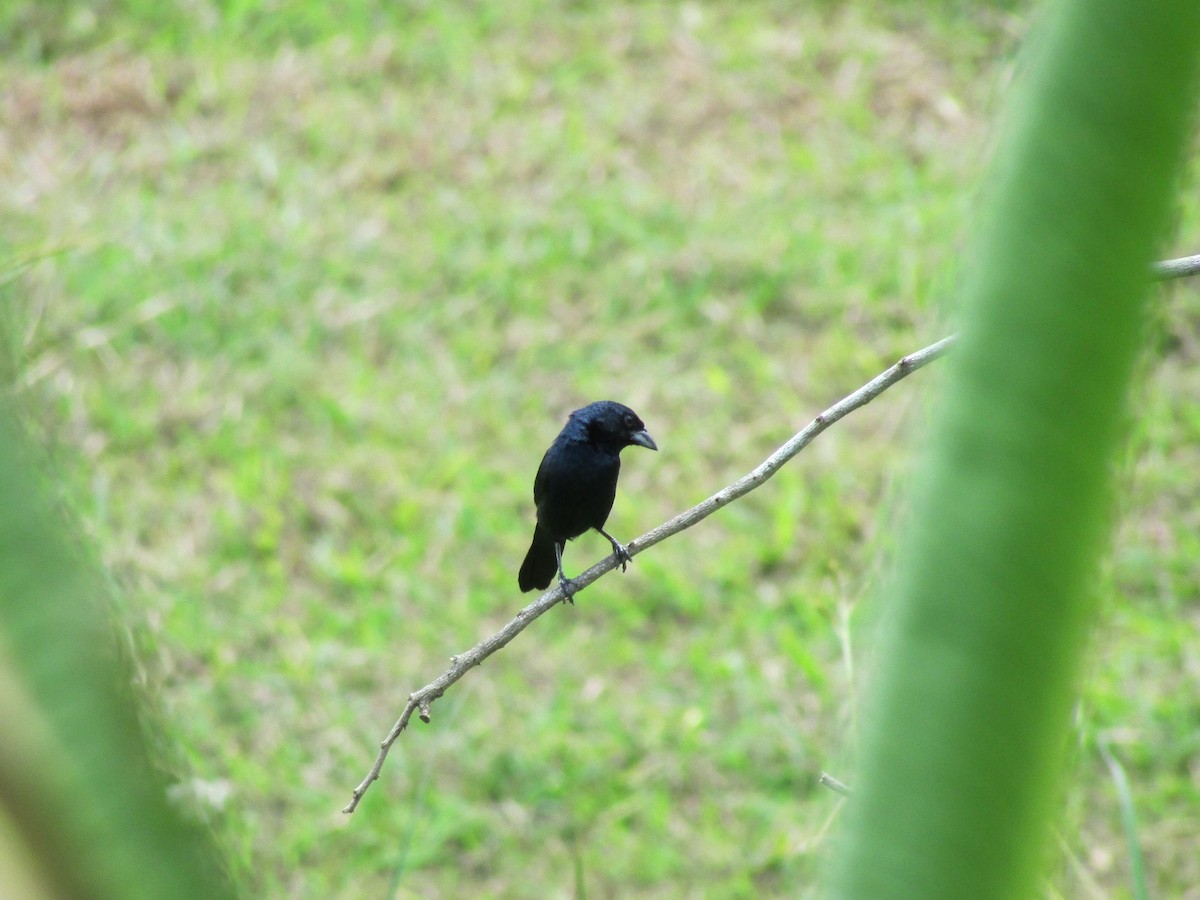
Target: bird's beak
[(642, 439)]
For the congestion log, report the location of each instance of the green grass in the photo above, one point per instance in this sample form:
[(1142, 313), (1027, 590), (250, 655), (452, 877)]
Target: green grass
[(308, 293)]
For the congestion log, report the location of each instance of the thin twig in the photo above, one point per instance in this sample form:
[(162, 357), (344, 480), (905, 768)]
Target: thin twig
[(420, 701), (1182, 267), (834, 785)]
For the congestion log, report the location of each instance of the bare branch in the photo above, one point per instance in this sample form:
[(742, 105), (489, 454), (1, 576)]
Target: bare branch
[(1166, 269), (864, 395), (420, 701), (834, 785)]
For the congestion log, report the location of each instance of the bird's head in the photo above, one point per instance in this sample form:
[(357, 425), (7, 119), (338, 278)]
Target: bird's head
[(612, 424)]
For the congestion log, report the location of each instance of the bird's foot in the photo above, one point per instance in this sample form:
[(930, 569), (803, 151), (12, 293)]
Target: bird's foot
[(621, 552), (568, 588)]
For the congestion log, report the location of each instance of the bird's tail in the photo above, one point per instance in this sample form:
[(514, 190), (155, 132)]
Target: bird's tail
[(540, 562)]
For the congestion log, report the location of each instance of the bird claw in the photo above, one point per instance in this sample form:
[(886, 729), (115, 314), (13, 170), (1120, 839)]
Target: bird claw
[(568, 588), (621, 552)]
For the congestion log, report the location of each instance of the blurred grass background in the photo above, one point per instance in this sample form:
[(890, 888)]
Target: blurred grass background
[(298, 293)]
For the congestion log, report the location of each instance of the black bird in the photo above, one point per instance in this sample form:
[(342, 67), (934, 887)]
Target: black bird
[(575, 487)]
